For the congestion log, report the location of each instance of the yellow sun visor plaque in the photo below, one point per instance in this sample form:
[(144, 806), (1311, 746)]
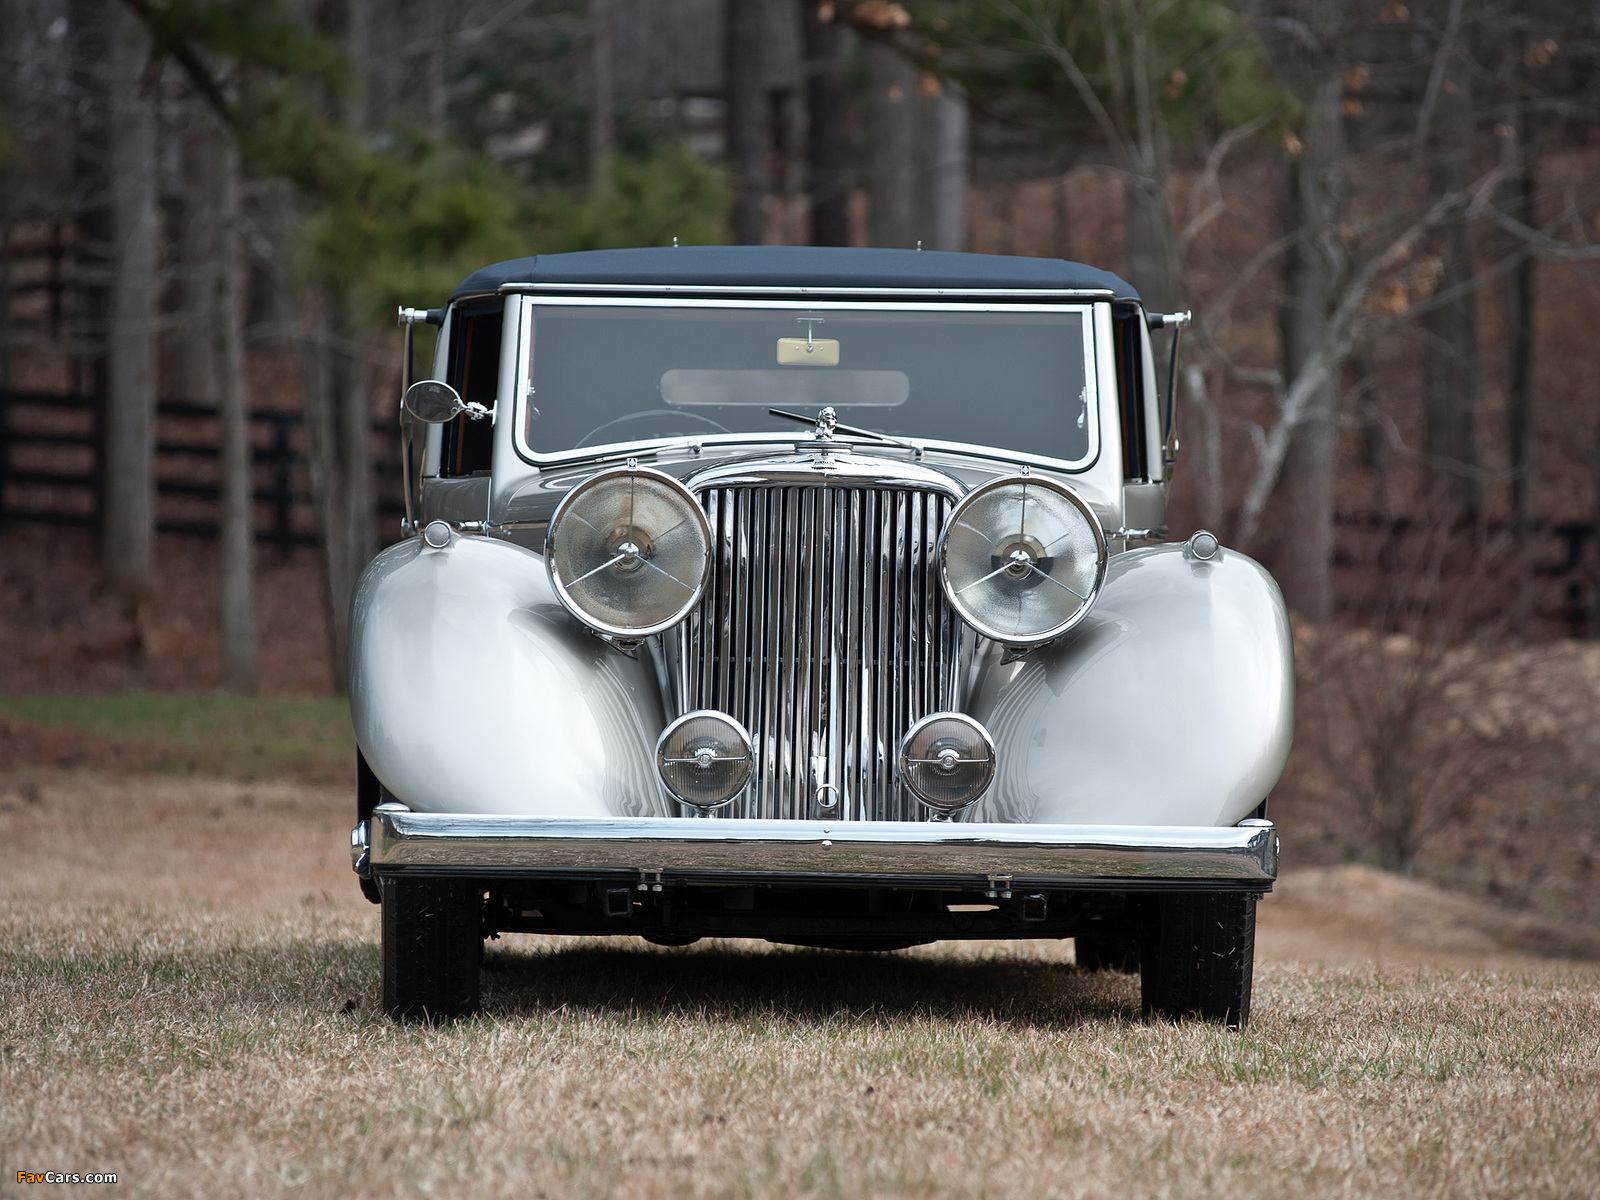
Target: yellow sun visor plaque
[(816, 352)]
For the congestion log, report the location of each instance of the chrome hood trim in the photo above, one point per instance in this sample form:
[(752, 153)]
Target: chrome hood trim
[(830, 464), (902, 853)]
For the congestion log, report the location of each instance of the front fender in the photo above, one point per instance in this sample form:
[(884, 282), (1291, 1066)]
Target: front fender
[(473, 691), (1171, 704)]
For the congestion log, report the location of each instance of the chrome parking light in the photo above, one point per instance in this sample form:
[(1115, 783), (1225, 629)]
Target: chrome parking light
[(704, 758), (947, 760)]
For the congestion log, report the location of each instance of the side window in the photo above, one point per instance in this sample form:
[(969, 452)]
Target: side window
[(1129, 340), (475, 373)]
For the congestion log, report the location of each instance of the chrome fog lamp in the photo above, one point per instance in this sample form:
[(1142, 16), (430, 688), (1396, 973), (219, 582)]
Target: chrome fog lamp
[(947, 760), (628, 552), (705, 758), (1021, 559)]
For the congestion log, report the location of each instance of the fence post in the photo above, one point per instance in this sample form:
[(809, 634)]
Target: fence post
[(282, 496), (5, 450)]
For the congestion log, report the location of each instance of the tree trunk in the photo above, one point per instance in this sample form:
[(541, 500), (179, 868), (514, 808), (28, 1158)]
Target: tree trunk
[(438, 62), (190, 365), (947, 170), (1149, 216), (745, 106), (91, 135), (1210, 457), (327, 384), (892, 169), (826, 144), (337, 421), (1452, 381), (359, 32), (1063, 219), (600, 115), (356, 409), (1516, 301), (128, 516), (1312, 271), (1149, 242), (237, 532)]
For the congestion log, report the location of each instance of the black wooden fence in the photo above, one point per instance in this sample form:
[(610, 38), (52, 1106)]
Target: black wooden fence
[(51, 453), (50, 457)]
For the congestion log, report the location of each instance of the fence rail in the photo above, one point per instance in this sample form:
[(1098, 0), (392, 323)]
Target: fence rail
[(50, 472), (51, 457)]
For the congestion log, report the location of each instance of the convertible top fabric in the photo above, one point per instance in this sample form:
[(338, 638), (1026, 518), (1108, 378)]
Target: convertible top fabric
[(795, 266)]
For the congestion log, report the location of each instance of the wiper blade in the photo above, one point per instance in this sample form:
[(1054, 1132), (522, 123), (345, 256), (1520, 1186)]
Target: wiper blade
[(841, 427)]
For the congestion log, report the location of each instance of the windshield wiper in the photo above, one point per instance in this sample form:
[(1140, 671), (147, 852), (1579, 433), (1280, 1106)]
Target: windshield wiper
[(827, 425)]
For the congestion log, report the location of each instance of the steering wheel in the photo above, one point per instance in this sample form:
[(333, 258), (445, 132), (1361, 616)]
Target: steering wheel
[(675, 413)]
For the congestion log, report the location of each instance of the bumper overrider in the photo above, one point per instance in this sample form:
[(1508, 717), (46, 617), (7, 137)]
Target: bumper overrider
[(905, 854)]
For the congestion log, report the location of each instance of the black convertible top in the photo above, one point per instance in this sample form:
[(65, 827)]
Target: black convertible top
[(795, 266)]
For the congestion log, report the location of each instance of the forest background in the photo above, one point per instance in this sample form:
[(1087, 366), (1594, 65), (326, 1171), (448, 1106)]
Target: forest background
[(1383, 215)]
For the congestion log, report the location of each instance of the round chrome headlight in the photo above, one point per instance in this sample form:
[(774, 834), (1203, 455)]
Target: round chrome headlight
[(704, 758), (947, 760), (1022, 559), (628, 551)]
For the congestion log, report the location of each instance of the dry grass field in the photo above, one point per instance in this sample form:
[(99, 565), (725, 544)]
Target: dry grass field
[(187, 987)]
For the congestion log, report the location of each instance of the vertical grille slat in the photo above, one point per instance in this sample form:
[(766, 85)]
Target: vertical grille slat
[(824, 631)]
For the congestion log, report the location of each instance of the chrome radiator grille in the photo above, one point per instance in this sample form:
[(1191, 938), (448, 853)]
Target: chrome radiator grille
[(825, 632)]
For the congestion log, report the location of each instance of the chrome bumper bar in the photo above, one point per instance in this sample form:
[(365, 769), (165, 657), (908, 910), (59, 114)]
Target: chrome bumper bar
[(892, 853)]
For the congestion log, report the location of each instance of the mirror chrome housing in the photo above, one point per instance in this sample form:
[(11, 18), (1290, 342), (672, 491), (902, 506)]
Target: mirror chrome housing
[(433, 401)]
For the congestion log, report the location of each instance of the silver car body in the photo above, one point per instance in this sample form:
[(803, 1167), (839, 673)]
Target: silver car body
[(497, 722)]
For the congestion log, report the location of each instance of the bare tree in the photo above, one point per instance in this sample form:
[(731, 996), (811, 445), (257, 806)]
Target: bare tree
[(1516, 300), (945, 219), (360, 36), (745, 115), (1452, 379), (1129, 121), (237, 526), (601, 134), (1347, 282), (892, 133), (128, 515), (189, 366), (1313, 270), (333, 382), (438, 65), (826, 184)]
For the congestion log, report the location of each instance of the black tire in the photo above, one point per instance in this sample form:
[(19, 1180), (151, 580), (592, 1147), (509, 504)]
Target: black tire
[(432, 948), (1198, 957), (1107, 952)]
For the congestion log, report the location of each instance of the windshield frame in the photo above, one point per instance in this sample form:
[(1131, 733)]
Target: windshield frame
[(520, 380)]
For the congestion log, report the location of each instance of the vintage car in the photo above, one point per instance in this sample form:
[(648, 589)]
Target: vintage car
[(814, 595)]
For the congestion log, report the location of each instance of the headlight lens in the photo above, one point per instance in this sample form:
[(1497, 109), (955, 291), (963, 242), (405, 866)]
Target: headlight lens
[(947, 760), (1021, 560), (704, 758), (628, 552)]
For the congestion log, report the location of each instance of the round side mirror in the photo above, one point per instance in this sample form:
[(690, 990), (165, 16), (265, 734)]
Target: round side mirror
[(433, 402)]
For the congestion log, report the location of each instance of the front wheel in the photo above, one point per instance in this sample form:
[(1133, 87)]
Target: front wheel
[(432, 948), (1198, 957)]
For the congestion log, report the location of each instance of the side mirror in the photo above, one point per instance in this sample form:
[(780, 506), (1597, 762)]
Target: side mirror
[(433, 402)]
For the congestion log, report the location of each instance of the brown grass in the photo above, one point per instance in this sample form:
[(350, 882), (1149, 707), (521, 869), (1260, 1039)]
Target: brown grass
[(187, 982)]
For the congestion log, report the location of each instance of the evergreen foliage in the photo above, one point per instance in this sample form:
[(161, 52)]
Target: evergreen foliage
[(1198, 55), (401, 217)]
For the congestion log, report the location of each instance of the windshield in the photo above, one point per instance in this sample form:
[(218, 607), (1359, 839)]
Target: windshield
[(616, 373)]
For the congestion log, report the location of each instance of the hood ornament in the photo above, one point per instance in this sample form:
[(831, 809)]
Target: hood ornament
[(827, 422)]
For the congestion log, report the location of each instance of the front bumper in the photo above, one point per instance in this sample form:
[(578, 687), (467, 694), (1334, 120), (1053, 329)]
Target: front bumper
[(956, 856)]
